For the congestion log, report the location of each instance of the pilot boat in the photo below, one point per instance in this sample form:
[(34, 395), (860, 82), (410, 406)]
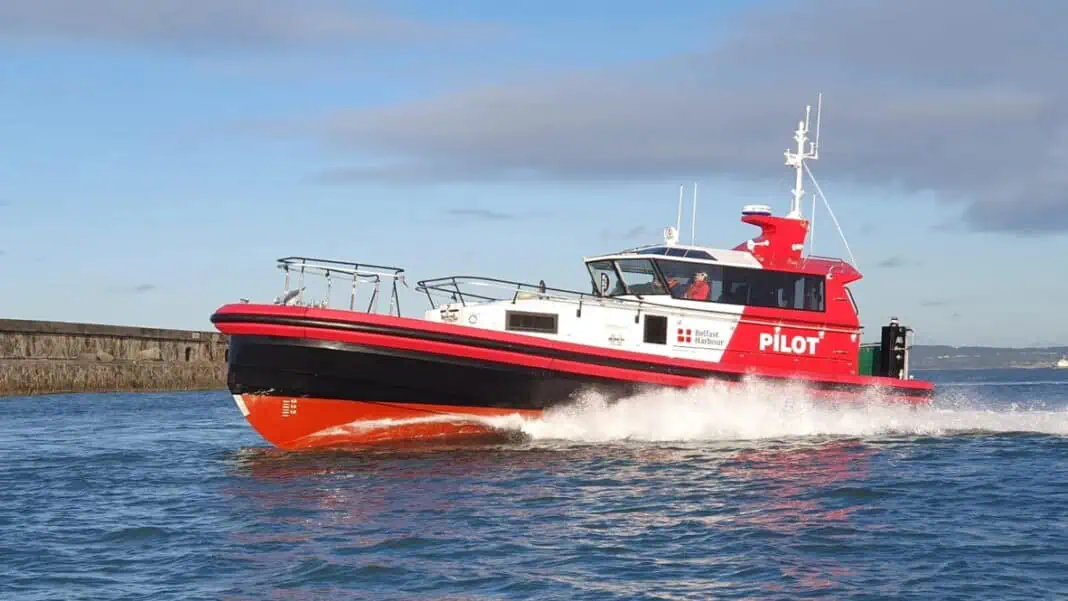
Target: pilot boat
[(306, 373)]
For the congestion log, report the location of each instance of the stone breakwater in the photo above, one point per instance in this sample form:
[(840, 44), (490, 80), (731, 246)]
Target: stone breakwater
[(44, 357)]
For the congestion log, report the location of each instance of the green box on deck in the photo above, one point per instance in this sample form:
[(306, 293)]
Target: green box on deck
[(868, 358)]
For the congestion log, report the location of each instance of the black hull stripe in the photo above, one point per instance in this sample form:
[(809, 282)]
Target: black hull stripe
[(567, 355), (293, 367)]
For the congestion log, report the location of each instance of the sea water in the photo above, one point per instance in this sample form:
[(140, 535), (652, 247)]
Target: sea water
[(703, 494)]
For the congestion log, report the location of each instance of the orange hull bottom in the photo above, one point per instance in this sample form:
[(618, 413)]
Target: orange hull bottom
[(306, 423)]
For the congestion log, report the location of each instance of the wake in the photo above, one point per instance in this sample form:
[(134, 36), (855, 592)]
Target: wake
[(713, 412), (756, 411)]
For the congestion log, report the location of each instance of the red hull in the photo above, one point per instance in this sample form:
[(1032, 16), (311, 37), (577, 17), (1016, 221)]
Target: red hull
[(306, 423), (313, 423)]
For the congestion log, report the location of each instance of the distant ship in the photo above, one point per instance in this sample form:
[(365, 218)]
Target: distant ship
[(1063, 363)]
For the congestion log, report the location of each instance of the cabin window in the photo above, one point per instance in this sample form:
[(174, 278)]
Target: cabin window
[(655, 329), (606, 280), (542, 323), (693, 281), (640, 277), (742, 286), (810, 293)]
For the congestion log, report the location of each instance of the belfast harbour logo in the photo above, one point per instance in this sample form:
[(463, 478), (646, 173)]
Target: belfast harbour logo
[(698, 336)]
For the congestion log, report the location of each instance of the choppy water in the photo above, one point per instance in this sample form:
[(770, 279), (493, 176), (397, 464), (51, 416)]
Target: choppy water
[(674, 496)]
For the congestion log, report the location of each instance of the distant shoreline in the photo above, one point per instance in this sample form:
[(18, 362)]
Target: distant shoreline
[(943, 357)]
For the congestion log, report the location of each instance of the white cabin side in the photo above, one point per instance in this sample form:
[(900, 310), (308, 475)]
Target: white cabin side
[(652, 328)]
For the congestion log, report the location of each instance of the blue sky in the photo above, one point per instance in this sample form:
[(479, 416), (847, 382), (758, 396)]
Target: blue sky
[(153, 167)]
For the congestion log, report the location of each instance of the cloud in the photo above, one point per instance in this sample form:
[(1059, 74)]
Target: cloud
[(895, 262), (217, 25), (934, 303), (126, 289), (478, 214), (638, 232), (960, 98), (481, 214)]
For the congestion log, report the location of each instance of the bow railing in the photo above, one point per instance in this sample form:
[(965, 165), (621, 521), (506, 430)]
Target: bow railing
[(355, 276)]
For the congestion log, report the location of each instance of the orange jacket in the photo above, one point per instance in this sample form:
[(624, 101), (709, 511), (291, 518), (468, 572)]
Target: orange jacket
[(698, 291)]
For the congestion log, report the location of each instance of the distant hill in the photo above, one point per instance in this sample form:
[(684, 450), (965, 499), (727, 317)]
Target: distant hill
[(937, 356)]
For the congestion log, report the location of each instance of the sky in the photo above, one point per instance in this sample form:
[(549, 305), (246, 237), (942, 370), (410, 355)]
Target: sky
[(156, 158)]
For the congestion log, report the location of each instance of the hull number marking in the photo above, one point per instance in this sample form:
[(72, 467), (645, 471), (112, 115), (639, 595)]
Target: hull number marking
[(289, 407)]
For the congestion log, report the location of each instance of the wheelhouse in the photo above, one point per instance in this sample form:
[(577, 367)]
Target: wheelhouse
[(718, 276)]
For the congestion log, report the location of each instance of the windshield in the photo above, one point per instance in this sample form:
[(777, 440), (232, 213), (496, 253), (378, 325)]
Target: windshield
[(606, 281), (639, 277)]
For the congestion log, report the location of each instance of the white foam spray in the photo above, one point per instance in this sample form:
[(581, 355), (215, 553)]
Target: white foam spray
[(754, 411), (761, 411)]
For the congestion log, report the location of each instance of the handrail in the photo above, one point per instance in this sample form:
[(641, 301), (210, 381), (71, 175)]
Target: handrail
[(354, 265), (451, 286), (439, 285), (326, 268)]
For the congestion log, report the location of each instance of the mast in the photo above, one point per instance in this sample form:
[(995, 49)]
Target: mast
[(797, 159)]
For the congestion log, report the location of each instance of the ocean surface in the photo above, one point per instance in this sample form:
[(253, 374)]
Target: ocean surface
[(692, 495)]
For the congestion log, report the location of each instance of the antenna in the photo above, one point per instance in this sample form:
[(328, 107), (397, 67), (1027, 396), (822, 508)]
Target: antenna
[(831, 212), (819, 111), (678, 220), (693, 220), (812, 227), (797, 159)]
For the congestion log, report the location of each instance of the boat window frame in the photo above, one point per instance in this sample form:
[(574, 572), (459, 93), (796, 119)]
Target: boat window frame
[(658, 277), (597, 285), (553, 317), (693, 266)]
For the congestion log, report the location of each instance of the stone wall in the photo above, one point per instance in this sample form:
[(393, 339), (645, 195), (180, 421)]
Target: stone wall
[(40, 357)]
